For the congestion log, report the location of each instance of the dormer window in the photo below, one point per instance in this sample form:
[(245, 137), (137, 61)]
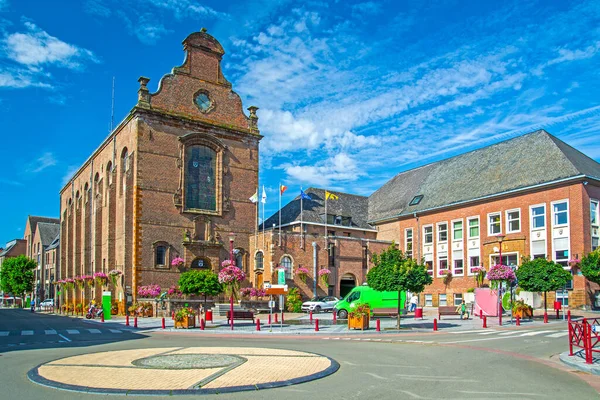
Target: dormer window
[(416, 200), (338, 220)]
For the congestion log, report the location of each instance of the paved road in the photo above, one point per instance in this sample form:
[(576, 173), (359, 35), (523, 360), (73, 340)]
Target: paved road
[(461, 365)]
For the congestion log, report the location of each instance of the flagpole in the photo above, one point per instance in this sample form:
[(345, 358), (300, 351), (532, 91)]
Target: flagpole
[(326, 218), (256, 224), (263, 224), (301, 224), (279, 214)]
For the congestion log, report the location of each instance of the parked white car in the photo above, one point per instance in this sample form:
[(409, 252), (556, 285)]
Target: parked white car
[(320, 303), (47, 303)]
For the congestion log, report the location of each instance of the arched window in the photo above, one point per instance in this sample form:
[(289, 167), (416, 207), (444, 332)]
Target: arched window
[(161, 256), (258, 261), (201, 263), (239, 258), (286, 263), (109, 173), (200, 182)]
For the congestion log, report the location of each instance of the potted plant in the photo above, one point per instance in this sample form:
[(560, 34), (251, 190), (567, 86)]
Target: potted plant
[(178, 262), (302, 273), (521, 310), (134, 309), (101, 278), (115, 276), (358, 317), (185, 318), (480, 273), (148, 310), (114, 309), (79, 308)]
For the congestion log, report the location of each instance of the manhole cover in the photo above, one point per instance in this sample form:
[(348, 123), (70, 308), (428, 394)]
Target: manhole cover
[(188, 361)]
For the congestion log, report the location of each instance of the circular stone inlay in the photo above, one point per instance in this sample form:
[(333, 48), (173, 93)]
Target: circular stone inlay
[(188, 361)]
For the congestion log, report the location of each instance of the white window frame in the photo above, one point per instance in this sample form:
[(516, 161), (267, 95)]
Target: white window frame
[(445, 299), (437, 228), (594, 201), (508, 220), (412, 241), (439, 260), (489, 225), (504, 254), (454, 298), (468, 227), (552, 212), (454, 273), (432, 235), (531, 216), (429, 300), (468, 264), (462, 224)]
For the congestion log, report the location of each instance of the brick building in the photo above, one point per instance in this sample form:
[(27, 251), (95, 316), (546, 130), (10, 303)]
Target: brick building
[(345, 250), (40, 233), (172, 179), (534, 195)]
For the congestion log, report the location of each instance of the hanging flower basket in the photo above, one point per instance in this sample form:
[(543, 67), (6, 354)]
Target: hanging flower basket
[(69, 283), (88, 279), (149, 291), (480, 273), (101, 278), (115, 276), (324, 275), (500, 273), (79, 282), (447, 278), (177, 262), (302, 273), (231, 276)]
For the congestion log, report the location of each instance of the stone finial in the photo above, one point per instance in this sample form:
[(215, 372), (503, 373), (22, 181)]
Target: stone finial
[(143, 92), (253, 118), (203, 30)]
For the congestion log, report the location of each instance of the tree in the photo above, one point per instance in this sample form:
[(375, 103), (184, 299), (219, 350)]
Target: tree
[(16, 276), (204, 283), (541, 275), (590, 266), (394, 272)]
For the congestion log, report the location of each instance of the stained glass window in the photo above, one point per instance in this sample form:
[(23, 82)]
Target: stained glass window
[(200, 182)]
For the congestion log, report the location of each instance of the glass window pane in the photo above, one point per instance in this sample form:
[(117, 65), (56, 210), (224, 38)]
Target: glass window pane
[(443, 300), (457, 230), (594, 212), (200, 182)]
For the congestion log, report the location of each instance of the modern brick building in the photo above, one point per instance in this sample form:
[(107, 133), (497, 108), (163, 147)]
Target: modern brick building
[(40, 233), (172, 179)]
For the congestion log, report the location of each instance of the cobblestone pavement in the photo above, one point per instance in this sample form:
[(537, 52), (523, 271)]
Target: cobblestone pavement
[(183, 370)]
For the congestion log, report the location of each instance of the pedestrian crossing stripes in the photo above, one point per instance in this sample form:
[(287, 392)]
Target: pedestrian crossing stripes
[(51, 332)]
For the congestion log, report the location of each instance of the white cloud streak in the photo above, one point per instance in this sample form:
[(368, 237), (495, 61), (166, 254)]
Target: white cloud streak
[(46, 160)]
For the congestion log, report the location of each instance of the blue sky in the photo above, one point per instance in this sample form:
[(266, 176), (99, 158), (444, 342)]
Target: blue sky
[(350, 92)]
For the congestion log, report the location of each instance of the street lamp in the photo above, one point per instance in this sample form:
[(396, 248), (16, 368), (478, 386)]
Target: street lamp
[(231, 239), (500, 239)]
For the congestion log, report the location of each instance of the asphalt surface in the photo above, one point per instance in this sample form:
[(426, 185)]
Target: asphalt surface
[(471, 365)]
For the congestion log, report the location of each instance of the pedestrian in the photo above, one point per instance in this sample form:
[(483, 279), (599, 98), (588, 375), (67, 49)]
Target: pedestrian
[(414, 300), (462, 309), (33, 305)]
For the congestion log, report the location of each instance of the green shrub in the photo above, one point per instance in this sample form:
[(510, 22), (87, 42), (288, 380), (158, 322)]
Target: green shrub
[(294, 300)]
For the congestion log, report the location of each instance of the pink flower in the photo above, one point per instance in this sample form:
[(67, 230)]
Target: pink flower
[(177, 261), (324, 271), (149, 291), (302, 270), (501, 272), (231, 274)]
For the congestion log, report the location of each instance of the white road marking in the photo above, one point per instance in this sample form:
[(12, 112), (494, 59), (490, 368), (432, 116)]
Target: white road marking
[(471, 331), (559, 334), (94, 331), (26, 333), (50, 332), (4, 333), (488, 332), (478, 340), (509, 333), (72, 331), (116, 331), (502, 393), (433, 378), (64, 337), (376, 376), (534, 333)]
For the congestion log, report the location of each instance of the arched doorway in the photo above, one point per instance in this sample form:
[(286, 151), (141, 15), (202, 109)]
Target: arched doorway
[(347, 283), (200, 263)]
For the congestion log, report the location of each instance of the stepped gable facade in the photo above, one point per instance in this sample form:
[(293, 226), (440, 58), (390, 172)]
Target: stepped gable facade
[(173, 179)]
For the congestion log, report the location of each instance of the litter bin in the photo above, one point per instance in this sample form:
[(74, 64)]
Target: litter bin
[(209, 316), (418, 313)]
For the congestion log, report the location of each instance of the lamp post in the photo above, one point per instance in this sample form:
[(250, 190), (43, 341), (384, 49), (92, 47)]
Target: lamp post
[(500, 239), (231, 239)]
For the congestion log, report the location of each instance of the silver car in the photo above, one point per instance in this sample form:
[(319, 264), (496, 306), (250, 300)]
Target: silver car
[(320, 303)]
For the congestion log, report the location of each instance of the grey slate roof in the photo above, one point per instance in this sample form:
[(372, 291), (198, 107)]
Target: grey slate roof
[(532, 159), (33, 221), (48, 232), (348, 205), (55, 243)]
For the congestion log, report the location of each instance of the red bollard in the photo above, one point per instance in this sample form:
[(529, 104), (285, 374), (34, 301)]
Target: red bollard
[(518, 321), (127, 320), (310, 315), (163, 323), (102, 317), (480, 313), (569, 315), (135, 322), (378, 325), (485, 321), (258, 324), (435, 324), (173, 315), (269, 319), (557, 317), (317, 325), (334, 317), (275, 318), (202, 324), (545, 317)]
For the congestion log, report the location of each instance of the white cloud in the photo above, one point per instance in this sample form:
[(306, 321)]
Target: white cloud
[(36, 47), (338, 169), (41, 163), (10, 182), (187, 8), (17, 78), (96, 7)]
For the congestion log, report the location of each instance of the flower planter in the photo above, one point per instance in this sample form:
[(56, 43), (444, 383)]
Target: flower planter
[(186, 323), (361, 323), (523, 313)]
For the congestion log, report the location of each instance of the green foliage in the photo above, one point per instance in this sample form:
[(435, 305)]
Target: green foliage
[(16, 276), (360, 310), (471, 290), (541, 275), (203, 282), (590, 266), (294, 300), (394, 272)]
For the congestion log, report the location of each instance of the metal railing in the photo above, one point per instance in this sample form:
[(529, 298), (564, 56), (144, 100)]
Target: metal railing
[(585, 334)]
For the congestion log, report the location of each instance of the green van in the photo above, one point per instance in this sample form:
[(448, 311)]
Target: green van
[(372, 297)]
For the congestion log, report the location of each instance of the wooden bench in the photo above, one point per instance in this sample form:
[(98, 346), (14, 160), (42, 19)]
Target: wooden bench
[(449, 310), (240, 315), (387, 312)]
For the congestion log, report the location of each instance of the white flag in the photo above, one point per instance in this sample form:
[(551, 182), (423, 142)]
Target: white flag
[(264, 196), (254, 198)]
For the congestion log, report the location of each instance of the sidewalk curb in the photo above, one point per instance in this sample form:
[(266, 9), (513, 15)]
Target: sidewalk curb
[(578, 361)]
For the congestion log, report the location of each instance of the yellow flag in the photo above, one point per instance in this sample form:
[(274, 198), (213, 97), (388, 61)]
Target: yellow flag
[(330, 196)]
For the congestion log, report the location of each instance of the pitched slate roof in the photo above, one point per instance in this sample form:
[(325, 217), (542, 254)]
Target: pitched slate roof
[(348, 205), (528, 160), (55, 243), (48, 232), (33, 221)]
